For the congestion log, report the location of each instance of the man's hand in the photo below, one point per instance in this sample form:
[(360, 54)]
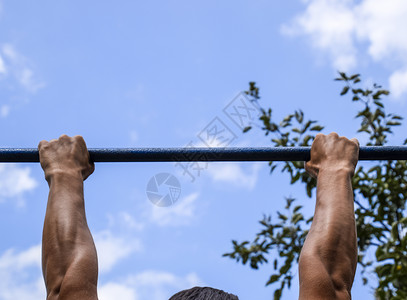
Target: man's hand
[(67, 155), (69, 259), (328, 259), (334, 153)]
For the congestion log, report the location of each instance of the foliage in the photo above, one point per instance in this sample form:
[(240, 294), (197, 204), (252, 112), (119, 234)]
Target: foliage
[(379, 193)]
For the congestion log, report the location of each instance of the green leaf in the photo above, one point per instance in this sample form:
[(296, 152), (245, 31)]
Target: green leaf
[(281, 216), (391, 123), (285, 268), (297, 208), (295, 178), (273, 278), (309, 190), (383, 270), (395, 231), (379, 104), (358, 91), (345, 90), (343, 76), (277, 294), (307, 125), (246, 129), (296, 218), (316, 128), (289, 201), (306, 140), (299, 116)]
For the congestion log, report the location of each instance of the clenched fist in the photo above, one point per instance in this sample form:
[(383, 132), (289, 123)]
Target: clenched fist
[(331, 152), (67, 155)]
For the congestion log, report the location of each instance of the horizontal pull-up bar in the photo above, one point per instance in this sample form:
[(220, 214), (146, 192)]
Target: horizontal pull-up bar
[(205, 154)]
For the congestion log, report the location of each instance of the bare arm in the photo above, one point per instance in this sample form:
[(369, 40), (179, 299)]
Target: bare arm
[(69, 258), (328, 259)]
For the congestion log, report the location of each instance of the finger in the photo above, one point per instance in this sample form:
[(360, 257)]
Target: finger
[(310, 170), (334, 134), (319, 135), (64, 137), (355, 140), (42, 144), (80, 140)]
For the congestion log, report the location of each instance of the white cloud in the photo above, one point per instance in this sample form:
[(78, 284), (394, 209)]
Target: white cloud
[(112, 248), (4, 111), (125, 220), (2, 66), (134, 136), (20, 274), (329, 24), (19, 261), (150, 284), (15, 181), (398, 83), (18, 67), (342, 28), (179, 214), (382, 24), (234, 174), (113, 291), (21, 278)]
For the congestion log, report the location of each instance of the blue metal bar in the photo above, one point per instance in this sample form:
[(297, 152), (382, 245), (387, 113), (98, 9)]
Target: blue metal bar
[(205, 154)]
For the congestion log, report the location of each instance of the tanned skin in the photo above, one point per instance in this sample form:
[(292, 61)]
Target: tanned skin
[(69, 261), (328, 258), (327, 262)]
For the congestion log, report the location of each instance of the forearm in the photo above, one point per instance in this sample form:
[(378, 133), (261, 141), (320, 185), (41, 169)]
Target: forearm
[(331, 244), (68, 248)]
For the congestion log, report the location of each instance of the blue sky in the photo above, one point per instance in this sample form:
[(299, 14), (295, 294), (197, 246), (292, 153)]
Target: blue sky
[(156, 74)]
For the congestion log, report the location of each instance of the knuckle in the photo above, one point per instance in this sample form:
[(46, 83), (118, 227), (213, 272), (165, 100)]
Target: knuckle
[(42, 144), (319, 136), (356, 141), (79, 138)]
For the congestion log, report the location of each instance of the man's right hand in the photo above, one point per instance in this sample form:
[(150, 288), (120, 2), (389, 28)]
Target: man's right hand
[(67, 155), (333, 153)]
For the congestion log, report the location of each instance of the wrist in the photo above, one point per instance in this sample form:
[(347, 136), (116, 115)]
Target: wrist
[(57, 175), (342, 171)]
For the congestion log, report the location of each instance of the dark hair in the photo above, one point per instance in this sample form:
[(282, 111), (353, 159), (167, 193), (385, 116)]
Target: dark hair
[(203, 293)]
